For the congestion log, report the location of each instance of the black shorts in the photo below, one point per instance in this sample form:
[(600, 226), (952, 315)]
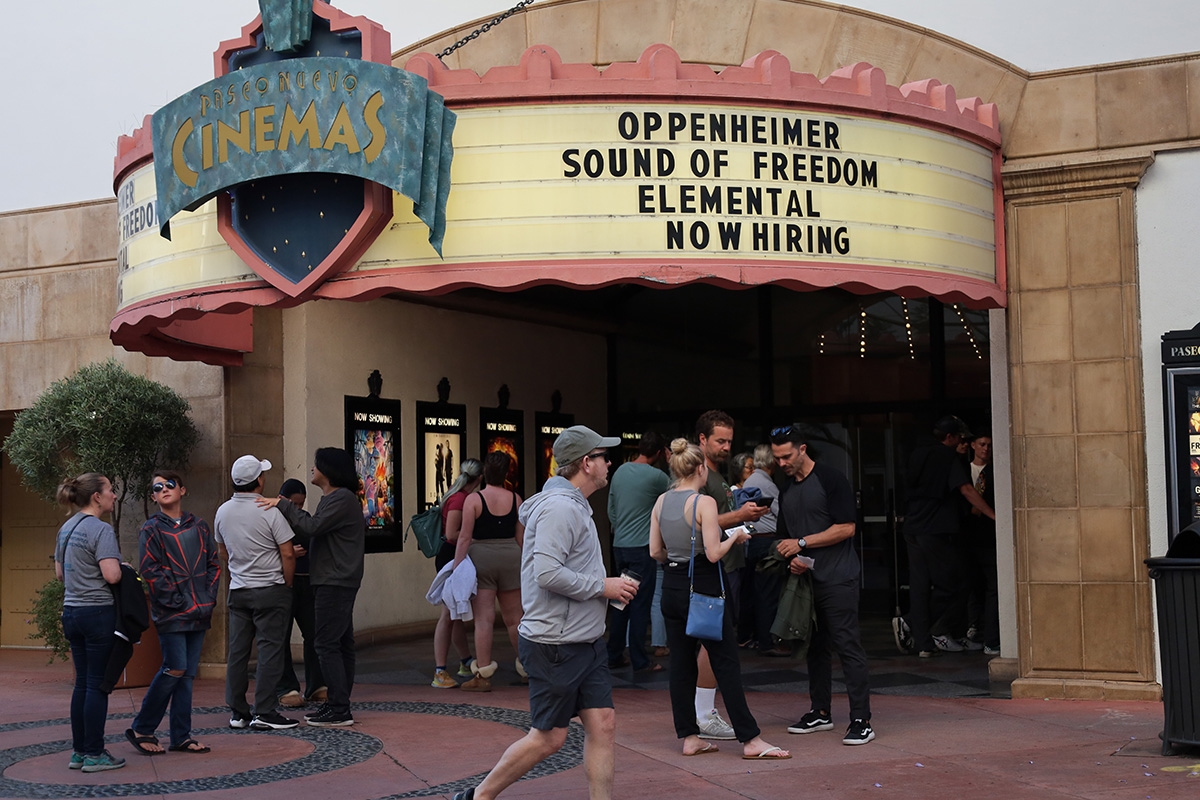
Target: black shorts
[(563, 679)]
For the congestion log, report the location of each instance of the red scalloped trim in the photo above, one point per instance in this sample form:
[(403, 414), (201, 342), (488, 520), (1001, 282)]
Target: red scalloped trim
[(659, 73)]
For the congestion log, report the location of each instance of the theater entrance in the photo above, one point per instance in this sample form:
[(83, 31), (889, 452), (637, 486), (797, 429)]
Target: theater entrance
[(872, 372)]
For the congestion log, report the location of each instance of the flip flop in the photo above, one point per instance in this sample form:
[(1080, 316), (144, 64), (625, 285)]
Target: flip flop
[(139, 742), (768, 755), (703, 751), (652, 668), (190, 746)]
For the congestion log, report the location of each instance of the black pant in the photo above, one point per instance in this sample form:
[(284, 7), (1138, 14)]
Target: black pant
[(629, 624), (304, 615), (837, 631), (981, 561), (335, 641), (760, 595), (723, 656), (934, 583)]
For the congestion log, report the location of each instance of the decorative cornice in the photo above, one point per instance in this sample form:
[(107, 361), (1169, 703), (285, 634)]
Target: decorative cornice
[(660, 73), (1122, 171)]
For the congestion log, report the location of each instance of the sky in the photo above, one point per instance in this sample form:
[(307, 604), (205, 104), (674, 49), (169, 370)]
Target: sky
[(80, 74)]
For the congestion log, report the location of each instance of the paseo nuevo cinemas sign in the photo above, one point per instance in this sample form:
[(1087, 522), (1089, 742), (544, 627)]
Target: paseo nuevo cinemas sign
[(342, 116)]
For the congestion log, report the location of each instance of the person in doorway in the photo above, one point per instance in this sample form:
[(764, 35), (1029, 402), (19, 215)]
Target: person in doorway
[(87, 559), (817, 518), (180, 566), (335, 535), (760, 590), (981, 552), (257, 546), (636, 485), (564, 592), (683, 521), (938, 481), (303, 615), (492, 535), (470, 476), (714, 432)]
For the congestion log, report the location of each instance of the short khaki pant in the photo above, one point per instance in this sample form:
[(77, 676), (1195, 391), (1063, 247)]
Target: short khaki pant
[(497, 563)]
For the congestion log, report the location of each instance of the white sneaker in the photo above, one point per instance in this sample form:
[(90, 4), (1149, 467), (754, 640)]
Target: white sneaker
[(991, 651), (713, 727), (948, 645), (970, 645)]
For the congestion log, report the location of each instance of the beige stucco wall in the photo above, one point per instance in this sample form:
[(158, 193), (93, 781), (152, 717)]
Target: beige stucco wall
[(57, 296), (1076, 143), (331, 347)]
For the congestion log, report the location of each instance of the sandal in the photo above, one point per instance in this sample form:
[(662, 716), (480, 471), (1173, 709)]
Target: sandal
[(770, 754), (139, 742), (190, 746)]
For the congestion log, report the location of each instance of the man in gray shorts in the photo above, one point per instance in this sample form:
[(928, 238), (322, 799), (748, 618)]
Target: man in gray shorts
[(564, 591)]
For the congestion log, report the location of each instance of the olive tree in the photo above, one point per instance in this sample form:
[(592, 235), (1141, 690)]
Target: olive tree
[(102, 419)]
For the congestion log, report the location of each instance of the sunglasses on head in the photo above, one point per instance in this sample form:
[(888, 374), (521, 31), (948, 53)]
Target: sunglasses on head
[(169, 484), (784, 432)]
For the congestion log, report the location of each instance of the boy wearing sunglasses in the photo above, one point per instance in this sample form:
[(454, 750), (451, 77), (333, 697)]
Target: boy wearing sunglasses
[(179, 564)]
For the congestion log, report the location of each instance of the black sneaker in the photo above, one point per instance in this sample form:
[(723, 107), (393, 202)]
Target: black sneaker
[(239, 721), (331, 719), (273, 721), (859, 732), (321, 709), (465, 794), (812, 721)]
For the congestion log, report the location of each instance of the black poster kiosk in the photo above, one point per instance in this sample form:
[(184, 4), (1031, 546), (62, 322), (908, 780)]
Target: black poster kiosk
[(1181, 424)]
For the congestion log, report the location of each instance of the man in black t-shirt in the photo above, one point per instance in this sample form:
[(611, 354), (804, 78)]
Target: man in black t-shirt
[(816, 518), (937, 479)]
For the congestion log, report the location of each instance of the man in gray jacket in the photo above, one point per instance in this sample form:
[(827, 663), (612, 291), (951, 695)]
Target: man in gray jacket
[(564, 591)]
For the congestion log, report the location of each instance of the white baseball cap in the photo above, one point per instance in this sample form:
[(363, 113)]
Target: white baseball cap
[(247, 469)]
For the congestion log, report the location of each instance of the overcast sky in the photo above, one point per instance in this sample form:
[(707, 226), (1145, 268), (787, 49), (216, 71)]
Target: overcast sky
[(80, 74)]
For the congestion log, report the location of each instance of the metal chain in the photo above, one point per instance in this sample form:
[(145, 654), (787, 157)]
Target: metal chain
[(484, 29)]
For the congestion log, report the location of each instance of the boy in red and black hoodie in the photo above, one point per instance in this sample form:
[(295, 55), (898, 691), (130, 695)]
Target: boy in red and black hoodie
[(179, 563)]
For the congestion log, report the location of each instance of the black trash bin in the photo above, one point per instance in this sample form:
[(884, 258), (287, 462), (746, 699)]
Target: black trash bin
[(1177, 590)]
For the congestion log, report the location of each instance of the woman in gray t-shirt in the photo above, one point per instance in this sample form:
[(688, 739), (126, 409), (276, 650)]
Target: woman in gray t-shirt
[(87, 560)]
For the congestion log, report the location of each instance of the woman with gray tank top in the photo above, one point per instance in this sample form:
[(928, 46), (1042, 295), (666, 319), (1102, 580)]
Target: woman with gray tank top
[(676, 515)]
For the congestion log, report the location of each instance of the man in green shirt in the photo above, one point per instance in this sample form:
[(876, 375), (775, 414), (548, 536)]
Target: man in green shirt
[(634, 488)]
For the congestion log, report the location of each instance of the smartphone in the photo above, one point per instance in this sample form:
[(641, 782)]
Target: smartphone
[(762, 501)]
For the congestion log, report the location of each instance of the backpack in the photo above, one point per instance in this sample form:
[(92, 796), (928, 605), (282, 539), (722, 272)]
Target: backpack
[(427, 525)]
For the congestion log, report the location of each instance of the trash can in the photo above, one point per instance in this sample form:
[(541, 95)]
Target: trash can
[(1177, 590)]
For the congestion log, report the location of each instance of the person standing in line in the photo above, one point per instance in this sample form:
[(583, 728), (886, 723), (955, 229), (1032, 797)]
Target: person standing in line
[(817, 517), (981, 548), (257, 546), (714, 432), (684, 521), (938, 481), (303, 615), (636, 485), (470, 475), (335, 535), (181, 569), (87, 559), (760, 590), (564, 592)]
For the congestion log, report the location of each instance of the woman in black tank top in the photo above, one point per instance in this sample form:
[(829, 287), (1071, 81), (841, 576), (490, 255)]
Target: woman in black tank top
[(491, 535)]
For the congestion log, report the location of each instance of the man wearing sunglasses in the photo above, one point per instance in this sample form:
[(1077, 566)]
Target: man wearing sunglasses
[(817, 517), (565, 593)]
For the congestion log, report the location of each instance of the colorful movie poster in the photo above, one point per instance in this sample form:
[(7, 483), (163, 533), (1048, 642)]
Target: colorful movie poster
[(503, 430), (441, 447), (549, 425), (373, 440)]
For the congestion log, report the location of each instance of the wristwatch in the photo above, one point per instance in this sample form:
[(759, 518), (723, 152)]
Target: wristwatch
[(802, 544)]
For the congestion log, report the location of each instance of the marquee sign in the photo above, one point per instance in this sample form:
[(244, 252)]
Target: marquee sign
[(572, 175)]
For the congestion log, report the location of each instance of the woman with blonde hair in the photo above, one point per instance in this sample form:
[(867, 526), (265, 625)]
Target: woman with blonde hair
[(684, 521), (469, 477), (87, 559)]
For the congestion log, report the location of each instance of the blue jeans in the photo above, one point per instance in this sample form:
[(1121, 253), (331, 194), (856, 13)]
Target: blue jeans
[(629, 624), (89, 629), (181, 653)]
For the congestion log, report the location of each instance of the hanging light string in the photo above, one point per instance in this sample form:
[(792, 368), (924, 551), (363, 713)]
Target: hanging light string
[(962, 318), (912, 350)]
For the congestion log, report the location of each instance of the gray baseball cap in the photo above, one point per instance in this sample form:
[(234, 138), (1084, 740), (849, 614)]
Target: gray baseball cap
[(247, 469), (577, 441)]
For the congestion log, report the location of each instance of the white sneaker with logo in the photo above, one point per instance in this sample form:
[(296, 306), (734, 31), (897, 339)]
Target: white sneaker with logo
[(713, 727)]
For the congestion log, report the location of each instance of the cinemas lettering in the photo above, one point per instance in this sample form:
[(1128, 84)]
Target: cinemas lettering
[(769, 185)]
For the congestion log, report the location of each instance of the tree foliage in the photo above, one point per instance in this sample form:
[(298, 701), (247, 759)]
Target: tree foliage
[(102, 419)]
